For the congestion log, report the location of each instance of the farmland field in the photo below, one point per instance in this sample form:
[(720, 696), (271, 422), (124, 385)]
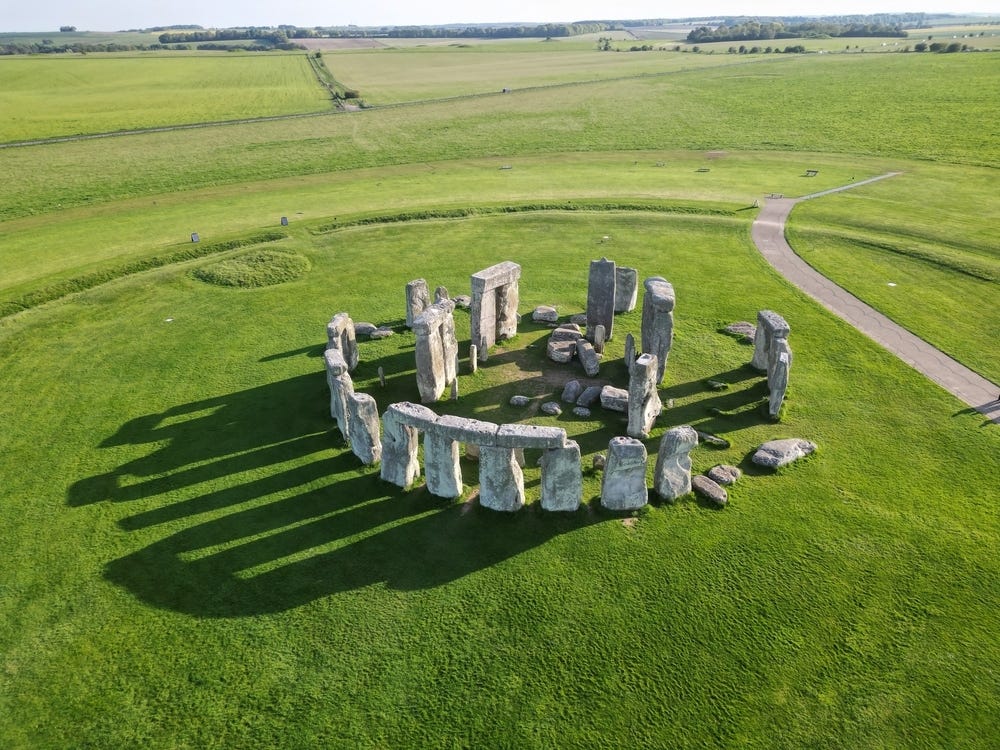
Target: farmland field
[(56, 95), (194, 558)]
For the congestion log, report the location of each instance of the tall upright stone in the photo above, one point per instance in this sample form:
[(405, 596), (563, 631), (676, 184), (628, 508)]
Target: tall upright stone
[(400, 465), (780, 363), (493, 311), (644, 404), (672, 475), (770, 326), (341, 389), (562, 478), (501, 481), (441, 458), (626, 289), (418, 299), (340, 334), (601, 297), (436, 350), (658, 321), (629, 350), (623, 484), (366, 442)]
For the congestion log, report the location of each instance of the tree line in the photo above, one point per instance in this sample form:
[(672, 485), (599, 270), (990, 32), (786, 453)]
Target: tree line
[(756, 30)]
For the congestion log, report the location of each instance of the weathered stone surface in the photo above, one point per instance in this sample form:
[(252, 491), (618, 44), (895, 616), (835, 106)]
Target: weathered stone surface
[(588, 357), (413, 415), (400, 465), (436, 350), (599, 461), (614, 399), (364, 328), (672, 475), (717, 385), (658, 321), (341, 389), (441, 294), (626, 289), (365, 430), (473, 358), (770, 325), (551, 408), (742, 330), (644, 404), (462, 301), (710, 490), (629, 350), (501, 481), (780, 364), (495, 297), (519, 400), (581, 411), (441, 458), (381, 333), (580, 319), (418, 299), (601, 296), (472, 430), (599, 334), (623, 485), (341, 334), (590, 396), (562, 479), (777, 453), (724, 474), (472, 451), (713, 440), (545, 314), (571, 391), (562, 343), (529, 436)]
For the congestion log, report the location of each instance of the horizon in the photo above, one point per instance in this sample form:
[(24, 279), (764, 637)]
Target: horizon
[(119, 15)]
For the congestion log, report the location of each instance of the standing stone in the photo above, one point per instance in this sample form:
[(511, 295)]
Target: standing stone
[(770, 326), (562, 478), (777, 380), (629, 350), (588, 357), (623, 485), (366, 443), (601, 296), (493, 312), (571, 391), (473, 358), (341, 389), (472, 452), (441, 458), (672, 475), (626, 289), (658, 321), (436, 350), (340, 334), (454, 390), (644, 404), (599, 339), (418, 299), (400, 465), (381, 376), (501, 481), (441, 294)]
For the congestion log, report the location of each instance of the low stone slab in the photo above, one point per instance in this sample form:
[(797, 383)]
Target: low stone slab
[(715, 441), (519, 401), (462, 301), (551, 408), (381, 333), (588, 357), (777, 453), (529, 436), (590, 396), (364, 328), (615, 399), (742, 330), (581, 411), (709, 490), (566, 332), (545, 314), (724, 474), (571, 391), (580, 319)]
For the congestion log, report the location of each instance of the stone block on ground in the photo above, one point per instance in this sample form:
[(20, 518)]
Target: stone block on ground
[(724, 474), (571, 391), (588, 357), (590, 396), (614, 399), (545, 314), (710, 490), (777, 453)]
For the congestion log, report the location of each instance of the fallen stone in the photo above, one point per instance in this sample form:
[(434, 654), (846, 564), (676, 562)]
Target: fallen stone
[(561, 347), (599, 461), (724, 474), (588, 357), (717, 385), (615, 399), (381, 333), (551, 408), (566, 332), (713, 440), (365, 328), (581, 411), (544, 314), (590, 396), (571, 391), (742, 330), (462, 301), (519, 401), (777, 453), (710, 490), (580, 319)]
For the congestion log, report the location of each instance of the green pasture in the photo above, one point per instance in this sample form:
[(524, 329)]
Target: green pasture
[(218, 570), (43, 96), (193, 557)]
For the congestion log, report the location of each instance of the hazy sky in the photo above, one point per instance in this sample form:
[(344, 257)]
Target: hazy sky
[(110, 15)]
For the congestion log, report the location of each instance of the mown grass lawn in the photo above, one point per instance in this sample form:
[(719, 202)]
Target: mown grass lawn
[(195, 559)]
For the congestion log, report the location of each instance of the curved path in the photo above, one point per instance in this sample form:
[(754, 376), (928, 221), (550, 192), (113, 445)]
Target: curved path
[(768, 233)]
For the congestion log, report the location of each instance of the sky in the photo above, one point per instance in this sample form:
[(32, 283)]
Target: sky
[(113, 15)]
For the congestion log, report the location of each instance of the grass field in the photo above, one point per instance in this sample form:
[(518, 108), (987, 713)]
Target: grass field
[(45, 96), (193, 559)]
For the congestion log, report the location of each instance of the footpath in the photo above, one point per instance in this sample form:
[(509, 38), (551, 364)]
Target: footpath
[(768, 233)]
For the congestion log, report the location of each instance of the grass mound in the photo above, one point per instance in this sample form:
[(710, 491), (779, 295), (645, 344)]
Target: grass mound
[(254, 269)]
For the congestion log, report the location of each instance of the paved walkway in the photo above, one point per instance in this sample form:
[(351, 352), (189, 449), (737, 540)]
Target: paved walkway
[(768, 234)]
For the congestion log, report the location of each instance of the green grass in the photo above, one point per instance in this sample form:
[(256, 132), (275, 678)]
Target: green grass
[(217, 570), (43, 96), (254, 269)]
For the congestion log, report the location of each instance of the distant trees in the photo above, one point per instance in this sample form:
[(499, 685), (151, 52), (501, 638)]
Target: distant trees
[(66, 29), (756, 30)]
